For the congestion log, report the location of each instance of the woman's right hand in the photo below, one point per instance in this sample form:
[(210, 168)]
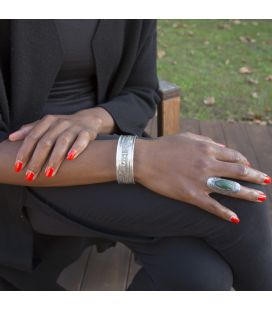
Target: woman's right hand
[(178, 166)]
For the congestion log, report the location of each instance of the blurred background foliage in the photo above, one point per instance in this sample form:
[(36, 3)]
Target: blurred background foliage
[(224, 67)]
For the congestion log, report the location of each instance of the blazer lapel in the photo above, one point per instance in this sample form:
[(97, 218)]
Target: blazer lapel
[(37, 55), (107, 45)]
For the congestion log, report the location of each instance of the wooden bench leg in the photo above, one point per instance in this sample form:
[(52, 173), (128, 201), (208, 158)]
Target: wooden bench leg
[(169, 109)]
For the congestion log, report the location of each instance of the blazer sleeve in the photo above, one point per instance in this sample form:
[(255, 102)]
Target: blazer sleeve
[(4, 131), (137, 101)]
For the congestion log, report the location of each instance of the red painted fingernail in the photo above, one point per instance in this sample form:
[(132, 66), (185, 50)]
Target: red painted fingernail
[(267, 179), (235, 219), (262, 197), (49, 171), (71, 154), (18, 165), (30, 175)]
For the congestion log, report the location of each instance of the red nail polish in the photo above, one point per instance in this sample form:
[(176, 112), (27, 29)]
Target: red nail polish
[(30, 175), (18, 165), (267, 179), (49, 171), (262, 197), (71, 154), (234, 219)]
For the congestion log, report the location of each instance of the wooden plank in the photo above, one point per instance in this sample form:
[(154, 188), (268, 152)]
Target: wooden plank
[(169, 116), (238, 139), (214, 130), (71, 277), (191, 125), (133, 269), (168, 90), (107, 271), (261, 142)]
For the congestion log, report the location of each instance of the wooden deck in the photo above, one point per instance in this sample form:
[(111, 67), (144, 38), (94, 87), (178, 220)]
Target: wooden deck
[(114, 269)]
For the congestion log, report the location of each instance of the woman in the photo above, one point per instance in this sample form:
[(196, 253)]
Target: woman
[(64, 106)]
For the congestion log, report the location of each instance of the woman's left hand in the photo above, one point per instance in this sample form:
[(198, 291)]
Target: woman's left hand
[(64, 136)]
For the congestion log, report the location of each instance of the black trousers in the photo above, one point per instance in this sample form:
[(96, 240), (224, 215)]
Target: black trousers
[(192, 249)]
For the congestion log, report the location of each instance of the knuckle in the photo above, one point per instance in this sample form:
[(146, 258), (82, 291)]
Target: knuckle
[(65, 122), (211, 207), (86, 133), (48, 118), (65, 138), (92, 135), (31, 137), (204, 148), (236, 156), (188, 133), (200, 164), (190, 193), (46, 142), (242, 170), (82, 144), (207, 138)]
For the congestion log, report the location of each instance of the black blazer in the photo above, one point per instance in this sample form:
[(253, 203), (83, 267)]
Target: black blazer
[(30, 57)]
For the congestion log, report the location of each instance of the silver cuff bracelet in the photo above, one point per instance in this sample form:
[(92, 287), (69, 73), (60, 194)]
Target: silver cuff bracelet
[(124, 159)]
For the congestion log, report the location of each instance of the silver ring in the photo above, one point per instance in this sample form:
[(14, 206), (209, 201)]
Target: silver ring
[(223, 186)]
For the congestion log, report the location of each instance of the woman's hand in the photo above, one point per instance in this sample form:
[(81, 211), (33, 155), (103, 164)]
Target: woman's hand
[(178, 166), (60, 136)]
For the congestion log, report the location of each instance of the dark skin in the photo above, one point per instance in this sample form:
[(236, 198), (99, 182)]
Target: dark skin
[(176, 166)]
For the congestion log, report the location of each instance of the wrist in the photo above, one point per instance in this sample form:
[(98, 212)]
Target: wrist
[(142, 153), (106, 123)]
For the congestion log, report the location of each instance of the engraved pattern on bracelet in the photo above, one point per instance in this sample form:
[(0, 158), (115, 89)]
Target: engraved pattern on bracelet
[(124, 159)]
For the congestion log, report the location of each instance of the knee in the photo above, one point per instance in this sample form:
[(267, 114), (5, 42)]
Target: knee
[(192, 277), (254, 216), (189, 264)]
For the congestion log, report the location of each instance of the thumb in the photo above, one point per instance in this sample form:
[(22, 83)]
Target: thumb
[(20, 133)]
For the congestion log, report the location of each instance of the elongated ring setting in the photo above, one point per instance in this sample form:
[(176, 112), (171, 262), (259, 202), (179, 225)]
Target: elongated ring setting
[(223, 186)]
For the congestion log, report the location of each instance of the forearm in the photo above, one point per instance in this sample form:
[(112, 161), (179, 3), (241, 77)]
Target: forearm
[(95, 165)]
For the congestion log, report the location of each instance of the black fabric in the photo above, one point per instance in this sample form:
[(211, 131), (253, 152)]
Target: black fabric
[(74, 88), (127, 86)]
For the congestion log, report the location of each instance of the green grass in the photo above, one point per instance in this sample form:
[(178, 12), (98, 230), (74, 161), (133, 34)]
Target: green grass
[(203, 57)]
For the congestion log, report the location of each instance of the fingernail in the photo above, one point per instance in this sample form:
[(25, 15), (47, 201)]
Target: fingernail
[(71, 155), (267, 179), (234, 219), (262, 197), (49, 171), (222, 144), (18, 165), (30, 175), (248, 164)]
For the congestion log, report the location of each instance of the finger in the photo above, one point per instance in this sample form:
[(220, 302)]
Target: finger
[(229, 155), (36, 126), (30, 141), (21, 133), (239, 171), (63, 143), (245, 193), (42, 149), (211, 205), (81, 143)]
